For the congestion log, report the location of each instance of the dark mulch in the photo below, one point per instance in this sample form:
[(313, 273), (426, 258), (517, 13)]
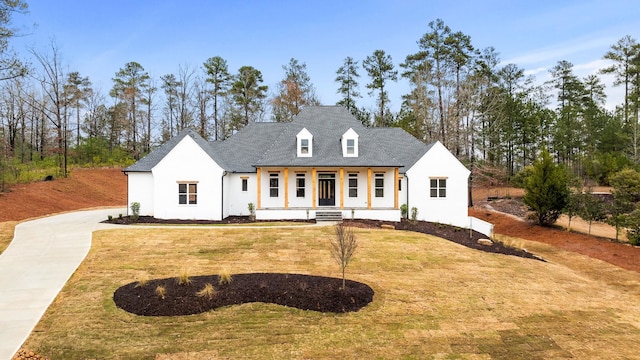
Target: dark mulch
[(306, 292), (128, 220), (458, 235)]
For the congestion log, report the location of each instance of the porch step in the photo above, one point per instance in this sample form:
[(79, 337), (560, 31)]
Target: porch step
[(328, 216)]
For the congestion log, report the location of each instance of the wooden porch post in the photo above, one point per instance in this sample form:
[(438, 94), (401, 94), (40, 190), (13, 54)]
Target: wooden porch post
[(258, 192), (314, 180), (286, 188), (369, 188)]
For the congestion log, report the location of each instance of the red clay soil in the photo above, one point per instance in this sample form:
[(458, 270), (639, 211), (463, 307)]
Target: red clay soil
[(84, 188), (622, 255)]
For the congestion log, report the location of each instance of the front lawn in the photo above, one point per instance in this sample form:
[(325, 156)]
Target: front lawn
[(433, 299)]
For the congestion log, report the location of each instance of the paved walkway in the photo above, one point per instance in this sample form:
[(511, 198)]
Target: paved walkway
[(41, 258)]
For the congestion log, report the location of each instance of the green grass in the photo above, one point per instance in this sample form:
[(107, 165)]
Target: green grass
[(433, 299)]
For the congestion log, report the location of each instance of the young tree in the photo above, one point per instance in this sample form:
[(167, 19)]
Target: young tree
[(380, 69), (295, 91), (626, 192), (546, 190), (573, 206), (343, 246), (247, 94), (591, 209), (218, 75)]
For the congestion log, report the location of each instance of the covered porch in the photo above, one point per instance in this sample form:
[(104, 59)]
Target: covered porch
[(355, 192)]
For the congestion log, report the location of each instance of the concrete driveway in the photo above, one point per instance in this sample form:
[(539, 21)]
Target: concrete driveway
[(41, 258)]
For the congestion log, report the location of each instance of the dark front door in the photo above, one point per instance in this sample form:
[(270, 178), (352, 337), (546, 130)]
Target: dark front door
[(327, 190)]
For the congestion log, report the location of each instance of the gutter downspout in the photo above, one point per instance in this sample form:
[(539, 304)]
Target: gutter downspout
[(224, 173)]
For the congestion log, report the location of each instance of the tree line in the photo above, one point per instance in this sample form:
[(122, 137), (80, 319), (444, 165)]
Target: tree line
[(490, 116)]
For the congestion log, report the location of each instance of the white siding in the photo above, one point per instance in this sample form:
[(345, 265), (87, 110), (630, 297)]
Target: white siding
[(387, 201), (438, 162), (238, 200), (361, 200), (294, 200), (187, 162), (140, 189)]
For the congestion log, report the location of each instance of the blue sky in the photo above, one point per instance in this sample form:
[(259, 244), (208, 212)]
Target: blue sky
[(97, 38)]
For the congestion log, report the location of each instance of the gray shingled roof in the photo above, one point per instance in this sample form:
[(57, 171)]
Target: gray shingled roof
[(274, 144)]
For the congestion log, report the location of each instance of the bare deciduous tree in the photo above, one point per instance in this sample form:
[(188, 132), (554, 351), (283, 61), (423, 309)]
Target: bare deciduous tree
[(343, 246)]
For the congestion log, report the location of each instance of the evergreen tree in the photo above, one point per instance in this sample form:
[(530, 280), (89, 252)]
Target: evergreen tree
[(247, 95), (546, 190), (347, 78), (380, 68), (10, 66), (218, 75)]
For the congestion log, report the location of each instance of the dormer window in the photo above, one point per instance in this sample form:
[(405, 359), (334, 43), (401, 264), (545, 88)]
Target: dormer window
[(304, 143), (350, 143), (351, 146)]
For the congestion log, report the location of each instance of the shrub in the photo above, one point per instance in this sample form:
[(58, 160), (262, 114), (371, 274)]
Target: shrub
[(404, 211), (110, 218), (135, 210), (161, 291), (225, 277), (252, 211), (632, 222), (414, 214), (546, 190), (183, 278), (207, 291), (142, 281)]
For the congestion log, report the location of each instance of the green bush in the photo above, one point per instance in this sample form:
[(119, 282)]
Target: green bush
[(404, 211), (546, 189), (135, 210)]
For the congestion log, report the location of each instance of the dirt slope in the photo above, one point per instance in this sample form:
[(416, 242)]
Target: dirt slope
[(85, 188)]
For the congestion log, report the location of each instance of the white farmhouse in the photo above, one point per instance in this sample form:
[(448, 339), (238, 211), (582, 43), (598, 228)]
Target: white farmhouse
[(323, 162)]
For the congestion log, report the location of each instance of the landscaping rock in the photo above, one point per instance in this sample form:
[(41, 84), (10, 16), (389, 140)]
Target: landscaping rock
[(387, 226), (485, 242)]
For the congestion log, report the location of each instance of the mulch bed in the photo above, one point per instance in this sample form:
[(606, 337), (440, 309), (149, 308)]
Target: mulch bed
[(458, 235), (128, 220), (307, 292)]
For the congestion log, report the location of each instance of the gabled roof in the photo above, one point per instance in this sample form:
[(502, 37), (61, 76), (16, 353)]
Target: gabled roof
[(154, 157), (274, 144)]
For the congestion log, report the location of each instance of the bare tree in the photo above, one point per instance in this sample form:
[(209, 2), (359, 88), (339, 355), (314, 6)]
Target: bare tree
[(54, 103), (343, 246)]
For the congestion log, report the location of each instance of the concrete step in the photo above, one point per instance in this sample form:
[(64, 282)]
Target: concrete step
[(328, 216)]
